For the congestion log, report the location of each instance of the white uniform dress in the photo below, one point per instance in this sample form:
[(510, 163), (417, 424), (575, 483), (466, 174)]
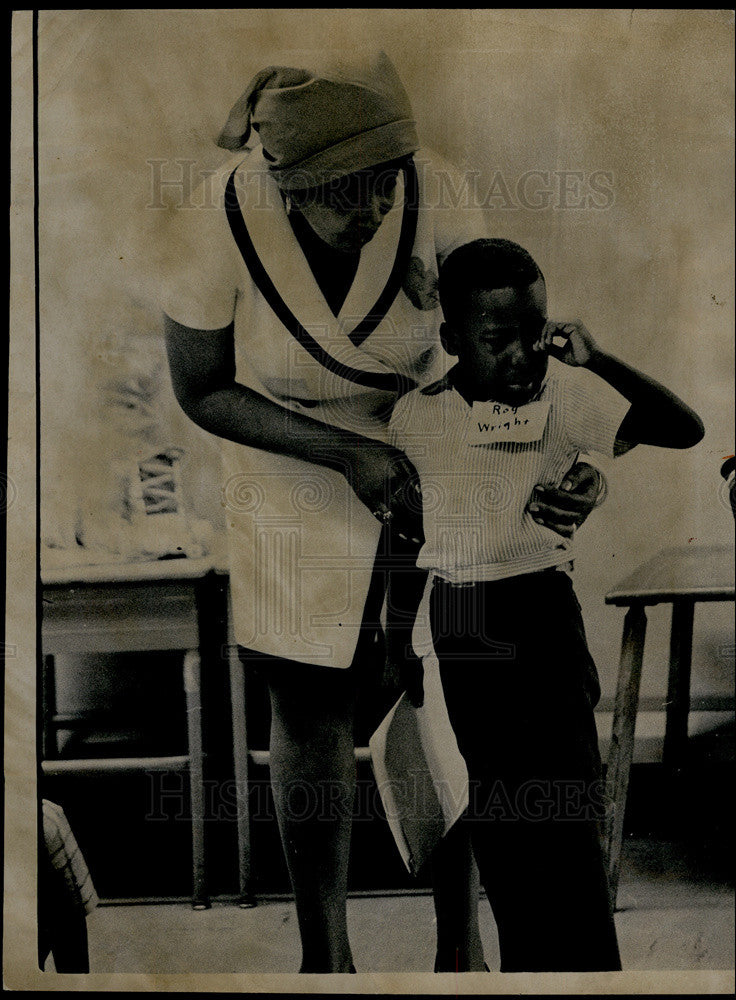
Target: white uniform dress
[(301, 544)]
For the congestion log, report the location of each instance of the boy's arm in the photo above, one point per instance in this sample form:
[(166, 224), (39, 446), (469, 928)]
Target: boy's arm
[(657, 416), (404, 590)]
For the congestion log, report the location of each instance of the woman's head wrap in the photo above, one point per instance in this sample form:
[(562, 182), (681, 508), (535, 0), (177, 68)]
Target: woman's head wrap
[(318, 124)]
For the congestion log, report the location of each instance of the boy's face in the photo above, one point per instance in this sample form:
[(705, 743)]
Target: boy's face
[(493, 337)]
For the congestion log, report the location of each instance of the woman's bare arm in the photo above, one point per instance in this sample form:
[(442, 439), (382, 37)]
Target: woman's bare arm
[(202, 365)]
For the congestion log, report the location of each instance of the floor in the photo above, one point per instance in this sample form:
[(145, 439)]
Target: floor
[(669, 917)]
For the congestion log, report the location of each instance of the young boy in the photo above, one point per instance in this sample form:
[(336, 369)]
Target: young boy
[(518, 679)]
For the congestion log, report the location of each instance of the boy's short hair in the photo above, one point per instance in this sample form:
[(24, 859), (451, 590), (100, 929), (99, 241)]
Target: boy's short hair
[(484, 264)]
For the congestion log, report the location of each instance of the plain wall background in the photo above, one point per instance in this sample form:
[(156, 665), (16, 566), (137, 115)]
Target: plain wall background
[(644, 95)]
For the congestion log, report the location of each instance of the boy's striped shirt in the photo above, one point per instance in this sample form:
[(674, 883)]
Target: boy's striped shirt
[(475, 497)]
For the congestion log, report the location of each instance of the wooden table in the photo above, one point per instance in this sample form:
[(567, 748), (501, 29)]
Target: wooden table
[(146, 607), (680, 577)]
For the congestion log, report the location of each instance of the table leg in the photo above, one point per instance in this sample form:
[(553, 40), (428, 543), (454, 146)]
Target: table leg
[(192, 689), (211, 598), (678, 685), (240, 754), (622, 738), (49, 746)]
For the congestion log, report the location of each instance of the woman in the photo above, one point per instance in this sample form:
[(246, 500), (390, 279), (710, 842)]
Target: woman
[(298, 308)]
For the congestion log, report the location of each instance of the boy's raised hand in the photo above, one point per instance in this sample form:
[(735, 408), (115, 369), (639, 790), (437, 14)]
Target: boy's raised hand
[(579, 346), (656, 416)]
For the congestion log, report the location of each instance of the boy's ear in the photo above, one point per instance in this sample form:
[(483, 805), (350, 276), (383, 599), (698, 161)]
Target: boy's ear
[(447, 337)]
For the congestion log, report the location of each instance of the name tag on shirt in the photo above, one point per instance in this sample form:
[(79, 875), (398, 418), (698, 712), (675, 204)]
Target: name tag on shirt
[(492, 423)]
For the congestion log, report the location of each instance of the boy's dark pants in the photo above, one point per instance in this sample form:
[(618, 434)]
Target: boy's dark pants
[(520, 687)]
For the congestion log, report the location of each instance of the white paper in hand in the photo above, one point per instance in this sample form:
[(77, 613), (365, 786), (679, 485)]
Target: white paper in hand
[(421, 776)]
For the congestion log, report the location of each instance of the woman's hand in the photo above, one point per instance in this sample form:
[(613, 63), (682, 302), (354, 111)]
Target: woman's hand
[(564, 508), (388, 484)]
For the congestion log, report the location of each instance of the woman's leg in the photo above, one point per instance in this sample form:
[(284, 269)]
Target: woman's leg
[(313, 782), (456, 887)]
